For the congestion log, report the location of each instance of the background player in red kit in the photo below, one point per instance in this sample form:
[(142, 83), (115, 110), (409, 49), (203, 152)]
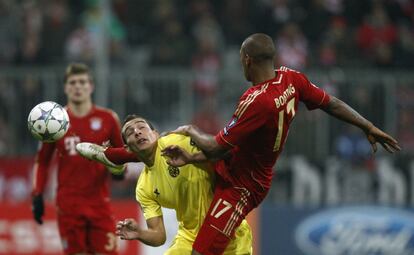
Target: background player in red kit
[(252, 141), (84, 215)]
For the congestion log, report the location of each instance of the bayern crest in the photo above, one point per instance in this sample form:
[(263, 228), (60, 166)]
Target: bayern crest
[(96, 123)]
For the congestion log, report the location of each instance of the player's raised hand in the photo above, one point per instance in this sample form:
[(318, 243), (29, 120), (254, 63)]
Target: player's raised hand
[(127, 229), (176, 155), (375, 135)]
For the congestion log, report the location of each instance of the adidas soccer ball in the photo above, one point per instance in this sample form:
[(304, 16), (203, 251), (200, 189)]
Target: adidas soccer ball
[(48, 122)]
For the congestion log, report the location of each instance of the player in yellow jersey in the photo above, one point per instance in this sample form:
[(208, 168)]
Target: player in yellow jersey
[(188, 190)]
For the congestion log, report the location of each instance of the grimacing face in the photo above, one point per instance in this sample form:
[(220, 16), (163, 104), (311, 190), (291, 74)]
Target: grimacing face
[(139, 136), (78, 88)]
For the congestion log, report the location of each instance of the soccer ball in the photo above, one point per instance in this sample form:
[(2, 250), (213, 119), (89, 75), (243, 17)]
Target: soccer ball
[(48, 122)]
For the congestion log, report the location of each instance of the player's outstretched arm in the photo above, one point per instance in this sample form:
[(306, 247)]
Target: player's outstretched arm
[(206, 142), (178, 157), (129, 229), (343, 111)]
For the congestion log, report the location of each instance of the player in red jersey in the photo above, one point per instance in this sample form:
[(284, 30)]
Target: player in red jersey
[(84, 216), (250, 144)]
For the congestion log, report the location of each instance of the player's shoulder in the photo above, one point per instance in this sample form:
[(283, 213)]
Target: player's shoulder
[(288, 76), (143, 181), (287, 71), (106, 112), (173, 139)]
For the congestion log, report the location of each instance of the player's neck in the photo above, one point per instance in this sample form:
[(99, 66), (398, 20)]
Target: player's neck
[(82, 109), (262, 75), (148, 156)]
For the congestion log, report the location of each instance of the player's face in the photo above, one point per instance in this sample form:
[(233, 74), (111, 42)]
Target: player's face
[(139, 136), (78, 88), (244, 62)]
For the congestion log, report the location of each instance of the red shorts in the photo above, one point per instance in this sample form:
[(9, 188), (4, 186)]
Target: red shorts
[(87, 229), (229, 208)]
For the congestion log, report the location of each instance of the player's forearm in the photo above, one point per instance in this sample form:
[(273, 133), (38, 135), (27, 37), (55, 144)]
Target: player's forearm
[(199, 157), (207, 143), (41, 166), (343, 111), (40, 175), (152, 237)]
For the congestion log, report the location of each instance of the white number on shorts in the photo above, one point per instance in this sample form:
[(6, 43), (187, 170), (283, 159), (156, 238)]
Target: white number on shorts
[(226, 207)]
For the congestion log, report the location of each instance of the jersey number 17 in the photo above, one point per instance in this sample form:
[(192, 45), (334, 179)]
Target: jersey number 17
[(290, 109)]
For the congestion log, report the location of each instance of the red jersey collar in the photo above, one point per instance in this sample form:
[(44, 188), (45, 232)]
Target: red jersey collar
[(277, 75), (71, 115)]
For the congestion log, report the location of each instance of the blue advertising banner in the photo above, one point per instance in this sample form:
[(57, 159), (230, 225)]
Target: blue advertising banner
[(347, 230)]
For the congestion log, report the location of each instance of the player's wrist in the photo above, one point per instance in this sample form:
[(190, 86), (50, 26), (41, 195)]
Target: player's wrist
[(196, 158), (368, 127), (36, 193)]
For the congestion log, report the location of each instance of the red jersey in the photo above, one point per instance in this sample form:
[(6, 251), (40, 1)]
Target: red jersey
[(259, 127), (79, 178)]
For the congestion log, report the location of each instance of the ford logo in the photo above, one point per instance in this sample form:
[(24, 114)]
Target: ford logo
[(364, 230)]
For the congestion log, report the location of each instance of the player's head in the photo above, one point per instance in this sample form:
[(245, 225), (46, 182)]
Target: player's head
[(78, 83), (257, 51), (139, 134)]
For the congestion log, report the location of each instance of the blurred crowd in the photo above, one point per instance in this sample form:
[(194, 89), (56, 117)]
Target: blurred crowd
[(204, 36), (200, 33)]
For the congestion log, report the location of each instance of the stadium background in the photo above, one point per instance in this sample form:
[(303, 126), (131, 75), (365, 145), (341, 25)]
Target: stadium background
[(177, 62)]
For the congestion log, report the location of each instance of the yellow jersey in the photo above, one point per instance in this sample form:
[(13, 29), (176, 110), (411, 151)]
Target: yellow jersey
[(189, 191)]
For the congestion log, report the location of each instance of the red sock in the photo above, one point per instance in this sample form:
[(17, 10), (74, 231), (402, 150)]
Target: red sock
[(120, 156)]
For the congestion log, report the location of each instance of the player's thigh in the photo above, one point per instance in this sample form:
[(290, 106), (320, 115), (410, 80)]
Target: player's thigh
[(229, 207), (179, 246), (72, 230), (242, 242), (101, 233)]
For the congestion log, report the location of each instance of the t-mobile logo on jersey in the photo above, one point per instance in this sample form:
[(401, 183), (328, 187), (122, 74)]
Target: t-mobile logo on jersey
[(70, 144)]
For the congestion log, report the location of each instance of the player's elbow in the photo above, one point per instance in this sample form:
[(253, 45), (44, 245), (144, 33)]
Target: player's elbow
[(159, 241), (215, 152), (333, 105)]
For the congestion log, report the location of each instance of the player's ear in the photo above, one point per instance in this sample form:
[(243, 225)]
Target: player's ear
[(92, 86), (66, 88), (248, 60)]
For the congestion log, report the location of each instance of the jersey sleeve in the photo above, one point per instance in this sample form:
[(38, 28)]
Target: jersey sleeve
[(249, 115), (41, 167), (149, 206), (116, 139), (311, 95)]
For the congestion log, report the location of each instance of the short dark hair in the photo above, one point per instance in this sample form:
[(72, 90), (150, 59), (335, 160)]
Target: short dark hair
[(260, 47), (76, 68), (130, 117)]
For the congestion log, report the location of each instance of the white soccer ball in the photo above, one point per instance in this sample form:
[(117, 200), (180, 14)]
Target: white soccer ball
[(48, 122)]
